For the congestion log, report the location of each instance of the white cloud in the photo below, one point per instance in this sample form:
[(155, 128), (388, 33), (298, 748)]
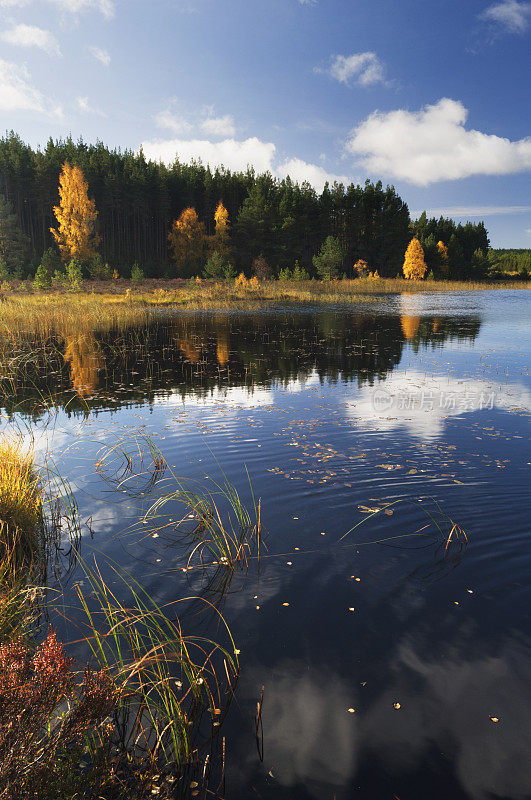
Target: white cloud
[(85, 107), (100, 55), (177, 124), (205, 122), (238, 155), (18, 94), (366, 68), (473, 211), (433, 144), (32, 36), (105, 7), (421, 404), (219, 126), (511, 15)]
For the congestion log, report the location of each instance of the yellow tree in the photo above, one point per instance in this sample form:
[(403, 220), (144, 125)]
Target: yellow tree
[(76, 217), (443, 256), (220, 242), (414, 264), (188, 240)]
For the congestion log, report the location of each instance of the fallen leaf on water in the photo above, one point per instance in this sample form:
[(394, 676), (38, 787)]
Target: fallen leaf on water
[(396, 705)]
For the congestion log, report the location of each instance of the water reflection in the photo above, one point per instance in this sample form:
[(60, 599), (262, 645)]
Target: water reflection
[(195, 353)]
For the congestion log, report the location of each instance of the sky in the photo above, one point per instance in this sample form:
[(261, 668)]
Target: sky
[(431, 96)]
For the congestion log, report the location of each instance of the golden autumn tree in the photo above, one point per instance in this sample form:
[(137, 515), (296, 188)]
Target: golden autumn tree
[(443, 256), (76, 217), (414, 264), (188, 240), (220, 240)]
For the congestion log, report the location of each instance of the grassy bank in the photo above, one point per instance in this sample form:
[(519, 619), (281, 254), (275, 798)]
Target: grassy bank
[(120, 301)]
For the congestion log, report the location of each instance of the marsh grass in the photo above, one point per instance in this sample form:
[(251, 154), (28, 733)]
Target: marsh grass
[(173, 690), (208, 516)]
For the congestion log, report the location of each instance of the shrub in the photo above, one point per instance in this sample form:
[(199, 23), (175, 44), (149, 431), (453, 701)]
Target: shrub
[(285, 274), (299, 273), (46, 716), (215, 267), (241, 280), (361, 268), (74, 275), (99, 270), (137, 273), (261, 268), (50, 263)]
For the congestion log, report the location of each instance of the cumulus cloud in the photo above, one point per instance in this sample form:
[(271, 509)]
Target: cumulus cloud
[(17, 93), (365, 69), (100, 55), (433, 144), (237, 155), (511, 15), (31, 36)]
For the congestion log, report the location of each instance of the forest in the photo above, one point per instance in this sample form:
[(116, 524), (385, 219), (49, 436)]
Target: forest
[(277, 222)]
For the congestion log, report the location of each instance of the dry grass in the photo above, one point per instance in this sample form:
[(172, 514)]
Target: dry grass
[(21, 520)]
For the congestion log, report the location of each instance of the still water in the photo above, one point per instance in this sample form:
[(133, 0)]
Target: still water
[(386, 655)]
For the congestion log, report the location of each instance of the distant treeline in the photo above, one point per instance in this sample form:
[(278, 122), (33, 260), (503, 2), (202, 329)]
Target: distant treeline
[(137, 201), (510, 260)]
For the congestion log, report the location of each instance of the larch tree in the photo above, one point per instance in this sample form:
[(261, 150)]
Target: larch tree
[(76, 217), (220, 241), (443, 256), (414, 265), (188, 240)]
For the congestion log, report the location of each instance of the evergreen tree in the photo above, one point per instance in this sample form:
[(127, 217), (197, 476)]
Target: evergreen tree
[(13, 243), (329, 260)]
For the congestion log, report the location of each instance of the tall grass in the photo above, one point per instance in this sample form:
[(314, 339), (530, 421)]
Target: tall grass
[(208, 515)]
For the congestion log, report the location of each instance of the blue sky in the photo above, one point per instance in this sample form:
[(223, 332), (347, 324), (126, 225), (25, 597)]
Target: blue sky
[(432, 97)]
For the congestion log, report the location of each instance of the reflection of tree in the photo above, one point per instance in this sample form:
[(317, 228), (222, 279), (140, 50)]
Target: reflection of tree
[(410, 325), (85, 357), (185, 353)]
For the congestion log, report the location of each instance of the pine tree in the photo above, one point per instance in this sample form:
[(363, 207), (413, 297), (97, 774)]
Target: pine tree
[(188, 241), (13, 243), (329, 260), (76, 217), (414, 265)]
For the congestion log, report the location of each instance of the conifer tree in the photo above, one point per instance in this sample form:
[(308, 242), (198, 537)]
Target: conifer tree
[(76, 217), (414, 265), (13, 243)]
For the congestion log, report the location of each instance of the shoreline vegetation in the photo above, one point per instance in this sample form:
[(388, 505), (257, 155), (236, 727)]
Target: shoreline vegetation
[(21, 299)]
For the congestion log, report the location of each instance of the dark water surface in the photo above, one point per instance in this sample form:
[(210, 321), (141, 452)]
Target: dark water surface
[(421, 396)]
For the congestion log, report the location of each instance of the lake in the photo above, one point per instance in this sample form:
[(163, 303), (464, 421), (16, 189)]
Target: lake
[(394, 661)]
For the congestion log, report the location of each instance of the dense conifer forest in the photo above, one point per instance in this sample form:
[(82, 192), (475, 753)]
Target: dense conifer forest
[(284, 222)]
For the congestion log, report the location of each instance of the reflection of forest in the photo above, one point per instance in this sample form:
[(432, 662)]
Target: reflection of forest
[(197, 352)]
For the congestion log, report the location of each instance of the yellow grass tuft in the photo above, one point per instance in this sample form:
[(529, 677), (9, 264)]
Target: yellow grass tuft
[(20, 502)]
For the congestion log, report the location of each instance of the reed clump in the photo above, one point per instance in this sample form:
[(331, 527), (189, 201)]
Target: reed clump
[(21, 504)]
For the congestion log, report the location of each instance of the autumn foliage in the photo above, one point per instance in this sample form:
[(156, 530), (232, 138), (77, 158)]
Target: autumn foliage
[(76, 217), (414, 264), (45, 715), (443, 256), (188, 240), (220, 243)]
